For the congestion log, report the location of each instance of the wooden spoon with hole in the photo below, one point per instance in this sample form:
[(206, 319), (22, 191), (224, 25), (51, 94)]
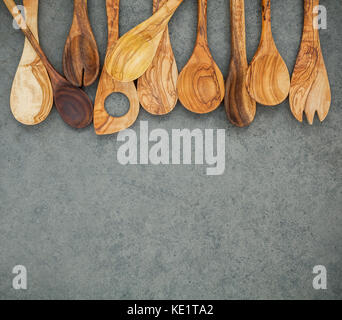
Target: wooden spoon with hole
[(103, 122), (72, 103), (310, 88), (240, 107), (200, 85), (81, 61), (268, 79), (134, 52), (31, 95), (157, 87)]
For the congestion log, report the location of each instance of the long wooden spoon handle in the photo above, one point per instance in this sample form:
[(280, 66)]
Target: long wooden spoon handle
[(12, 8), (113, 8), (157, 4), (238, 31), (202, 34), (266, 20), (310, 31)]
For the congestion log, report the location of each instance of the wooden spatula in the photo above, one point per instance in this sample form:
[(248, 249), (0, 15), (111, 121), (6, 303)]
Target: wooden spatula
[(310, 88), (268, 79), (157, 87), (103, 122), (200, 85), (240, 107), (81, 61), (73, 105), (134, 52), (31, 94)]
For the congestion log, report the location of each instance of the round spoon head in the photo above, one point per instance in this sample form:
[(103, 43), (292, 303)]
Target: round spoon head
[(200, 85), (74, 105), (268, 79)]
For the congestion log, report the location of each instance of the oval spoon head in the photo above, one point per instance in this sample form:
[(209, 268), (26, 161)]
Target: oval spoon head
[(73, 104), (268, 79), (31, 95), (81, 61), (134, 52), (200, 85)]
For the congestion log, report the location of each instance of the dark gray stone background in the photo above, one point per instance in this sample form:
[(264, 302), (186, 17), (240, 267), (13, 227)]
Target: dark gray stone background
[(87, 227)]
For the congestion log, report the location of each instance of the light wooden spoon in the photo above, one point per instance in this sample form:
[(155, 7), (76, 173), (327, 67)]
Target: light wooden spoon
[(103, 122), (134, 52), (240, 107), (157, 87), (310, 88), (81, 61), (268, 79), (200, 84), (31, 95), (73, 105)]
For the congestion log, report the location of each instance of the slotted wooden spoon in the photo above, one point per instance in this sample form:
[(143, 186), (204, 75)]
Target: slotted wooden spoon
[(200, 85), (310, 88), (103, 122), (240, 107), (268, 79), (157, 87), (31, 95), (134, 52), (72, 103), (81, 61)]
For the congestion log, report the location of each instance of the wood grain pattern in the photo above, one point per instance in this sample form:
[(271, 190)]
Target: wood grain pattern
[(200, 85), (310, 89), (134, 52), (73, 105), (157, 87), (81, 61), (103, 122), (240, 107), (31, 95), (268, 79)]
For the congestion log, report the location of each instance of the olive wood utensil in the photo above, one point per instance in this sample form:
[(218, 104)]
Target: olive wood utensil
[(310, 88), (200, 85), (103, 122), (31, 95), (157, 87), (240, 107), (268, 79), (81, 61), (134, 52), (72, 103)]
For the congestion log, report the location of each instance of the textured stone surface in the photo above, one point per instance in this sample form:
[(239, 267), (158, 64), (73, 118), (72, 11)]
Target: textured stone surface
[(87, 227)]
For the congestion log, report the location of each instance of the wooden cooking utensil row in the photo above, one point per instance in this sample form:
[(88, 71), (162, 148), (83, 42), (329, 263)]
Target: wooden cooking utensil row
[(145, 53)]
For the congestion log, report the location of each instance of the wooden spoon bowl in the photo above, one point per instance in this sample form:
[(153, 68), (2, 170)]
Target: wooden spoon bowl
[(134, 52), (31, 95), (200, 85), (268, 79)]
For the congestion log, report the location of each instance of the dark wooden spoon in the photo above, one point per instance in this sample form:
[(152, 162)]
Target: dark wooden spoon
[(73, 104), (81, 61)]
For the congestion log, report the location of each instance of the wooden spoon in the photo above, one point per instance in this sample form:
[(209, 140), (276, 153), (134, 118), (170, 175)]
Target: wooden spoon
[(268, 79), (310, 88), (134, 52), (72, 103), (81, 61), (31, 94), (103, 122), (240, 107), (200, 84), (157, 87)]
